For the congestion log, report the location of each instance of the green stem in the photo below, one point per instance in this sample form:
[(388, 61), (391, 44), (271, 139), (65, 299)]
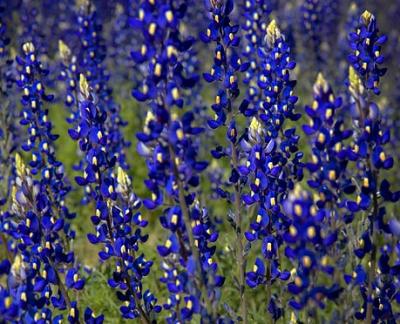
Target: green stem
[(143, 315), (372, 266), (188, 226), (241, 262)]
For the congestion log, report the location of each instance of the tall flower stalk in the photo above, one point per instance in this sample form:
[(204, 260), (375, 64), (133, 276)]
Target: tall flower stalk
[(116, 220), (169, 144), (273, 163), (44, 268), (224, 72), (369, 153)]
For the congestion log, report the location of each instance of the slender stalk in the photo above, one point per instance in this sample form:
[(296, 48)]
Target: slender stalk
[(241, 262), (186, 220), (372, 265), (373, 216), (63, 290), (143, 315)]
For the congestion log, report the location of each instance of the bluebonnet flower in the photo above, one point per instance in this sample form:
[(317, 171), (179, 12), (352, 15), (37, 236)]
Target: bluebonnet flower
[(91, 62), (121, 41), (227, 65), (10, 137), (308, 247), (351, 22), (40, 141), (169, 142), (331, 184), (370, 156), (331, 12), (116, 220), (256, 18), (366, 45), (272, 164), (32, 22), (312, 16), (38, 218), (69, 74), (329, 147)]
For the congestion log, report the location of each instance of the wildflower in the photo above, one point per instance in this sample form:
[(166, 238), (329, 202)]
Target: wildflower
[(91, 62), (10, 137), (370, 153), (227, 65), (169, 142), (116, 220), (309, 243), (366, 57), (329, 148), (272, 164)]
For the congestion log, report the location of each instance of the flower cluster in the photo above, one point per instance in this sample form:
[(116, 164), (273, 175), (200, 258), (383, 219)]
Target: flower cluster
[(241, 206), (273, 161), (312, 25), (226, 68), (308, 247), (116, 219), (169, 144), (379, 281), (366, 45), (43, 266), (9, 133), (330, 153), (90, 61), (256, 14)]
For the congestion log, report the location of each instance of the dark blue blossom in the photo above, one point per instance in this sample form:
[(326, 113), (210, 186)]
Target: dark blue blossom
[(309, 244), (117, 222), (366, 45), (91, 60), (170, 143), (226, 68), (371, 158), (272, 163)]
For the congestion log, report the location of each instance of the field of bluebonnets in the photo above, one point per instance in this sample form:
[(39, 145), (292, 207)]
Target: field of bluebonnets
[(217, 161)]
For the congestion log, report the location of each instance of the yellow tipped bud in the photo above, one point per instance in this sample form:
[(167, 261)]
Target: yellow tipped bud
[(298, 210), (28, 47), (7, 302), (321, 83), (273, 32), (175, 93), (255, 125), (355, 81), (179, 134), (157, 69), (367, 17), (20, 165), (83, 85), (174, 219), (122, 177), (64, 50), (292, 230)]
